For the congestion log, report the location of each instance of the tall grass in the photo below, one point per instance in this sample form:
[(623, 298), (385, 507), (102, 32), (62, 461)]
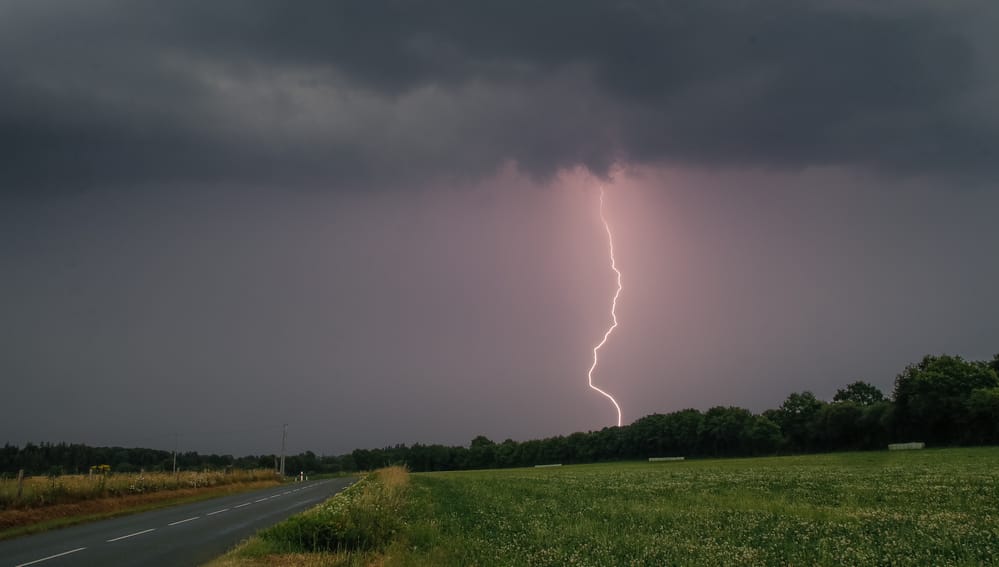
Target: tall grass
[(40, 491), (366, 516)]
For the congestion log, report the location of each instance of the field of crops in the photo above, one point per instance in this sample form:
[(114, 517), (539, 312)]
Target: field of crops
[(37, 491), (932, 507)]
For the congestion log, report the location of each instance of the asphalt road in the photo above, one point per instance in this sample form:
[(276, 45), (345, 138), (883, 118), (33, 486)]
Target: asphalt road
[(190, 534)]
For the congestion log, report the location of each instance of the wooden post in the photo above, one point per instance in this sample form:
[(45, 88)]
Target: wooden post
[(20, 483)]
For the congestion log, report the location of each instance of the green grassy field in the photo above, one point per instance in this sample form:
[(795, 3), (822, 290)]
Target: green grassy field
[(931, 507)]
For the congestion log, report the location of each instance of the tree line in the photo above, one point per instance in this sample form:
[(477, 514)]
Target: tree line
[(940, 400), (76, 458)]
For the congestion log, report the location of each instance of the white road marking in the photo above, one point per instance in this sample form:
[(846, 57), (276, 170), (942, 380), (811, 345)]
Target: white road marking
[(36, 561), (131, 535), (50, 557)]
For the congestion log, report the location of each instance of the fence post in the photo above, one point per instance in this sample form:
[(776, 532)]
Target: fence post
[(20, 483)]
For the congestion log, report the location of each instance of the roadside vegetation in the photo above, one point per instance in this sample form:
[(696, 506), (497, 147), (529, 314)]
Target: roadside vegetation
[(930, 507), (37, 503), (351, 528)]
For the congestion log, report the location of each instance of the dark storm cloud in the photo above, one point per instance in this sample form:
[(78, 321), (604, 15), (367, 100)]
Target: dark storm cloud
[(387, 92), (211, 301)]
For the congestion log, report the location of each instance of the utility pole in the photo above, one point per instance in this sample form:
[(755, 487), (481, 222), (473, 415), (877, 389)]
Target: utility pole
[(284, 437), (175, 441)]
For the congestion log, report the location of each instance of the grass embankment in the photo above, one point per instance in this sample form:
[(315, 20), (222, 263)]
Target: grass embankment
[(932, 507), (351, 528), (50, 502)]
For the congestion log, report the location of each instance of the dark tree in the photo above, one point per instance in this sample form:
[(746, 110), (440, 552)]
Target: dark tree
[(724, 431), (931, 397), (507, 454), (983, 415), (797, 420), (840, 426), (860, 393), (762, 437), (481, 453)]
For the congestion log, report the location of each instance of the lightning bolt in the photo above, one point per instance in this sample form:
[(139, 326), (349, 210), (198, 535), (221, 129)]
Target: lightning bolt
[(610, 242)]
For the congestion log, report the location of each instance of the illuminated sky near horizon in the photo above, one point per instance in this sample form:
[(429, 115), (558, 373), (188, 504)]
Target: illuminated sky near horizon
[(378, 222)]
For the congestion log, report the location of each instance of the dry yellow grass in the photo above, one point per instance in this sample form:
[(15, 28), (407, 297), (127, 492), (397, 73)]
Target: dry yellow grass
[(60, 501), (40, 491), (395, 479)]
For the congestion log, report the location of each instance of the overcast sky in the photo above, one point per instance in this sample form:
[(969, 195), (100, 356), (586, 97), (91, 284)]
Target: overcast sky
[(377, 221)]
